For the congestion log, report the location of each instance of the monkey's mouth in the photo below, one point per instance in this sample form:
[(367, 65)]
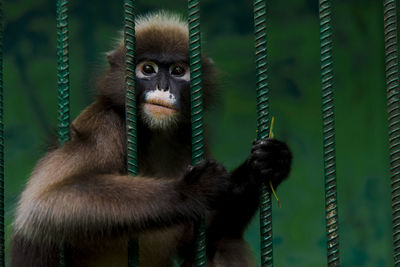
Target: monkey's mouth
[(159, 108)]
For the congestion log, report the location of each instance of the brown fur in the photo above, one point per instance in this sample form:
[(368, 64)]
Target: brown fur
[(81, 196)]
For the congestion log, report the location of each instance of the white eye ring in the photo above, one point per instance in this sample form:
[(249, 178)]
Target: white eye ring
[(146, 69)]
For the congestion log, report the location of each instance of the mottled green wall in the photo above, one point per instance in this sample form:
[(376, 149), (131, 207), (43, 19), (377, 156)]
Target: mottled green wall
[(362, 154)]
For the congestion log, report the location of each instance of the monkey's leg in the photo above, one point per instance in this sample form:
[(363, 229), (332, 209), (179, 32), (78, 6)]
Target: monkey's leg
[(232, 253), (226, 252)]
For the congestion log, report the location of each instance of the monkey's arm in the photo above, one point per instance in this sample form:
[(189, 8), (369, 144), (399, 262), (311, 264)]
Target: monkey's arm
[(90, 205), (270, 160), (78, 191)]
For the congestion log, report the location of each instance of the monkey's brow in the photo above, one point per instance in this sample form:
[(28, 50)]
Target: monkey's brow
[(163, 58)]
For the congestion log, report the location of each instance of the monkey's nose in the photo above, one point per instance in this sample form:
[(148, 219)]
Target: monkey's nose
[(164, 88)]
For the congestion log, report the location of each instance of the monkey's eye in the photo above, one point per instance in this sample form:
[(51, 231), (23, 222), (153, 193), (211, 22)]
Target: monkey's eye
[(180, 71), (177, 70), (146, 68)]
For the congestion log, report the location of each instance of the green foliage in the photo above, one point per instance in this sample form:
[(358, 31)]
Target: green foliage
[(293, 46)]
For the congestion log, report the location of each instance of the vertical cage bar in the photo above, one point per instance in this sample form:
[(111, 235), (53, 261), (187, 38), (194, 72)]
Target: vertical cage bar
[(63, 85), (130, 110), (2, 243), (393, 104), (63, 71), (328, 132), (196, 112), (263, 122)]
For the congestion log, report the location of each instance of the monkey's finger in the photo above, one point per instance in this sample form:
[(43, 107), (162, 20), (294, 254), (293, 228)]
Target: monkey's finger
[(189, 168), (202, 164), (219, 168), (269, 142), (262, 164), (266, 173), (260, 153), (257, 142)]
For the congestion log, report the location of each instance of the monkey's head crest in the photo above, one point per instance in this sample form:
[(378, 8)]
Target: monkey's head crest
[(161, 33), (162, 71)]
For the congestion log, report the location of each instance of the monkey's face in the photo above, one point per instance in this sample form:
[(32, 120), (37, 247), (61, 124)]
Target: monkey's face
[(162, 73), (163, 91)]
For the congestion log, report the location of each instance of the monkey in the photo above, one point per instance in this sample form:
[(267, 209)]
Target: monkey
[(79, 196)]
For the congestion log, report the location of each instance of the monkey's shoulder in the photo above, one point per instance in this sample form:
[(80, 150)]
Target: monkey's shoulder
[(98, 118)]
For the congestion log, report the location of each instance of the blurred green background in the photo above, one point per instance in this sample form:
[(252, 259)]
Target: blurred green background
[(227, 27)]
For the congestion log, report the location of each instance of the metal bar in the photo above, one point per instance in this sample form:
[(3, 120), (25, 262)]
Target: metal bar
[(2, 242), (393, 103), (328, 120), (263, 122), (63, 86), (130, 110), (196, 112), (63, 72)]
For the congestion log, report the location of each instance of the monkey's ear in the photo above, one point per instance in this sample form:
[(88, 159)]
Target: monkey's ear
[(116, 58)]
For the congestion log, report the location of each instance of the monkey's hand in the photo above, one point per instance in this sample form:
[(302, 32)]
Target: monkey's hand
[(207, 182), (270, 161)]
